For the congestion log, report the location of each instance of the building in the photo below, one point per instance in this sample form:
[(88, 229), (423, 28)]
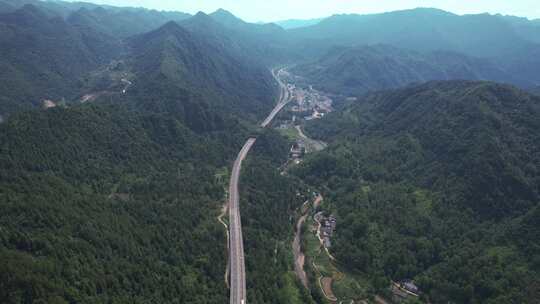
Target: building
[(410, 286)]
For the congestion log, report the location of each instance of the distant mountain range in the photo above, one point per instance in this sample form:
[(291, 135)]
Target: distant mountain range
[(345, 54), (422, 30), (297, 23)]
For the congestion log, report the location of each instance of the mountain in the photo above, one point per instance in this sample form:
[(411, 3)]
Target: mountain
[(229, 20), (420, 29), (172, 59), (357, 70), (51, 8), (297, 23), (114, 21), (266, 43), (123, 23), (436, 183), (528, 29), (43, 58)]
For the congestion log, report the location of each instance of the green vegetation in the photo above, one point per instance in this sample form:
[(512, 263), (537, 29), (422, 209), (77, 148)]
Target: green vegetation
[(291, 133), (437, 183), (179, 64), (102, 204), (346, 285), (43, 58), (357, 70), (267, 201)]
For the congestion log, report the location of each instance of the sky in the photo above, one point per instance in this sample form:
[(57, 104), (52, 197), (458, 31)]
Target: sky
[(276, 10)]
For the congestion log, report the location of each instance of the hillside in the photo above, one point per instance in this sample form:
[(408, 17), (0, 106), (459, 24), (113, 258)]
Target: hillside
[(171, 61), (355, 71), (43, 58), (100, 204), (268, 44), (433, 183)]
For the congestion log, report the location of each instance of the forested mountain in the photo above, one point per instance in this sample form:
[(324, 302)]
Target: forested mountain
[(437, 183), (66, 8), (357, 70), (175, 62), (43, 57), (208, 61), (422, 30), (123, 23), (267, 43)]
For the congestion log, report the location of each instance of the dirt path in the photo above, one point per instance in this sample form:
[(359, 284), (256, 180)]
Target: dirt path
[(299, 257), (224, 210), (326, 284), (380, 300)]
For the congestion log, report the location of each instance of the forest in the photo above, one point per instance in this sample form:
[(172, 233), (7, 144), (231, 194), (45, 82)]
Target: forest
[(437, 185), (101, 204), (267, 201)]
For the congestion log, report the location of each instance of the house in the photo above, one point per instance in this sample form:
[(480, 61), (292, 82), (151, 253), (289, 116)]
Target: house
[(410, 286)]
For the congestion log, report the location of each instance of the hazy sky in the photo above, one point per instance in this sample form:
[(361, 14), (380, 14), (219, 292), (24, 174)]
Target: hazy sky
[(274, 10)]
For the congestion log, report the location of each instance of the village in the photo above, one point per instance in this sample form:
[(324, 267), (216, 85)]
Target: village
[(308, 104), (325, 229)]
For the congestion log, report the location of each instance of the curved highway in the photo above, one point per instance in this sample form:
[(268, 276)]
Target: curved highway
[(236, 248)]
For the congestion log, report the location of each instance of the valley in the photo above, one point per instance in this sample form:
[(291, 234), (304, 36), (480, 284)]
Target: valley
[(152, 156)]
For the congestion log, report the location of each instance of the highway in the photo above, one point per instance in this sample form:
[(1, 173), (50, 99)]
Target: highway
[(236, 248), (284, 98), (236, 254)]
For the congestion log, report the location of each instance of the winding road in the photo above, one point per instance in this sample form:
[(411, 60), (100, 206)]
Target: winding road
[(236, 248)]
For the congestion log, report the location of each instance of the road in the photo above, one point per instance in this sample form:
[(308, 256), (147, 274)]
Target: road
[(236, 254), (236, 248), (311, 144), (299, 257), (284, 98)]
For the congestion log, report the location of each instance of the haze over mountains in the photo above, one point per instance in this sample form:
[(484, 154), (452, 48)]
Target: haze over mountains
[(119, 128)]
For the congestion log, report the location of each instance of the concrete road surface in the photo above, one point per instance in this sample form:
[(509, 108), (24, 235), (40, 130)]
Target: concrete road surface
[(238, 274), (236, 248), (284, 98)]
